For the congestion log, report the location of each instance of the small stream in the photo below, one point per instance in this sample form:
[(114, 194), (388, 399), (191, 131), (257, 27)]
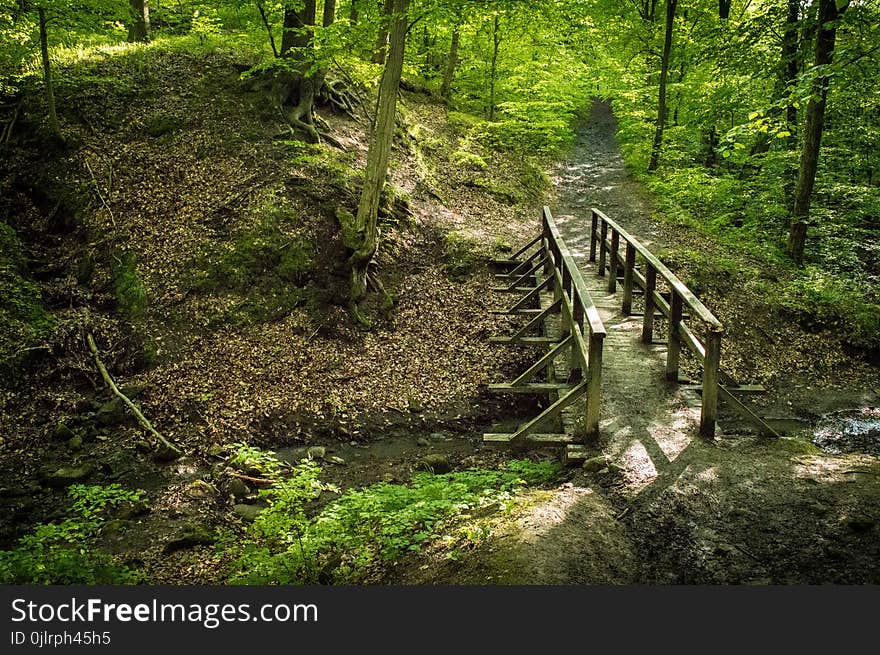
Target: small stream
[(849, 431)]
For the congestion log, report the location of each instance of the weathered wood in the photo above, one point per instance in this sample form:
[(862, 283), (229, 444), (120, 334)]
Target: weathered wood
[(603, 235), (628, 270), (537, 320), (594, 384), (531, 295), (545, 437), (528, 387), (711, 364), (743, 409), (551, 412), (515, 312), (594, 226), (538, 341), (648, 318), (172, 450), (612, 265), (531, 243), (673, 349), (546, 360), (529, 274), (523, 265)]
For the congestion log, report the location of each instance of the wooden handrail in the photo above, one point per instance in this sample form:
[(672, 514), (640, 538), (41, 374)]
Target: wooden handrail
[(707, 351)]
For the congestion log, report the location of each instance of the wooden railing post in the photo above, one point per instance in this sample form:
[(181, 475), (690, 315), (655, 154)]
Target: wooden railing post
[(628, 268), (594, 383), (602, 248), (612, 261), (595, 225), (648, 318), (673, 348), (711, 364)]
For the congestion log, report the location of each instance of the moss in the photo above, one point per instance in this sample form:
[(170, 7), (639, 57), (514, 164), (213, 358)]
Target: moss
[(462, 255), (464, 158), (797, 446), (24, 322), (130, 293)]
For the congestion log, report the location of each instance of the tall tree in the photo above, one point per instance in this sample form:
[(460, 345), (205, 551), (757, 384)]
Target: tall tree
[(365, 224), (657, 146), (451, 63), (139, 29), (829, 13), (493, 66), (299, 81), (48, 85), (386, 9)]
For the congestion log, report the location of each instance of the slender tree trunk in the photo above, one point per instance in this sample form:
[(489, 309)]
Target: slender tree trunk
[(797, 236), (47, 76), (353, 13), (139, 30), (657, 146), (451, 64), (377, 156), (262, 9), (493, 72), (297, 27), (329, 13), (382, 35), (724, 9)]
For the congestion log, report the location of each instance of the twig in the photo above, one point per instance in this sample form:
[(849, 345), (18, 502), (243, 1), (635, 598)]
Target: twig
[(622, 514), (100, 195), (140, 417), (248, 478)]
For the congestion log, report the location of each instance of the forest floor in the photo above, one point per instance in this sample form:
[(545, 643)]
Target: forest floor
[(197, 171)]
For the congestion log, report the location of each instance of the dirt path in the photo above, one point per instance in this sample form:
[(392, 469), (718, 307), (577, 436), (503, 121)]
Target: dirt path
[(671, 507)]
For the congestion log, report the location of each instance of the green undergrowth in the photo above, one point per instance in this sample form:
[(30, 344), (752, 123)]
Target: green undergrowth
[(739, 203), (269, 264), (363, 530), (24, 322), (62, 553)]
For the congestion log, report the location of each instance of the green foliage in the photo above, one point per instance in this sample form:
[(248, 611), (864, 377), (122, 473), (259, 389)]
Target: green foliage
[(823, 301), (24, 322), (366, 527), (461, 254), (255, 461), (131, 295), (61, 553)]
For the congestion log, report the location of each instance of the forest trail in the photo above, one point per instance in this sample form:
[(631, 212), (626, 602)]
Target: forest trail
[(668, 506)]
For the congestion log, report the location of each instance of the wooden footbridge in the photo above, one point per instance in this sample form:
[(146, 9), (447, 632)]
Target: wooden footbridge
[(556, 300)]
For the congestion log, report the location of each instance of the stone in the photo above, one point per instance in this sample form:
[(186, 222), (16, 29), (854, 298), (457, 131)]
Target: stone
[(237, 488), (111, 413), (247, 513), (388, 478), (166, 454), (76, 442), (200, 489), (67, 475), (336, 460), (62, 432), (423, 442), (191, 535), (438, 436), (595, 464), (131, 510), (316, 452), (434, 463)]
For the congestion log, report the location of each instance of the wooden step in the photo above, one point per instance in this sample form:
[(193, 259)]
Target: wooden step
[(516, 312), (529, 387), (575, 454), (544, 438), (526, 340)]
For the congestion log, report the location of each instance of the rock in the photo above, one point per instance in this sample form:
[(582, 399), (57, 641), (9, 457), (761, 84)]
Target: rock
[(316, 452), (191, 535), (200, 489), (76, 442), (615, 469), (67, 475), (423, 442), (62, 432), (595, 464), (247, 512), (388, 478), (434, 463), (336, 460), (438, 436), (111, 413), (119, 463), (237, 488), (128, 511)]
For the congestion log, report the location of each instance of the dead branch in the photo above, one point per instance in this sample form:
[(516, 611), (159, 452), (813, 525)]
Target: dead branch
[(100, 195), (140, 417)]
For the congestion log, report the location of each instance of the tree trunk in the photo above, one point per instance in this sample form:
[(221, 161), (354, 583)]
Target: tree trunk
[(329, 13), (493, 73), (377, 157), (382, 35), (47, 76), (353, 13), (797, 236), (724, 9), (139, 30), (297, 28), (661, 95), (300, 85), (451, 63)]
